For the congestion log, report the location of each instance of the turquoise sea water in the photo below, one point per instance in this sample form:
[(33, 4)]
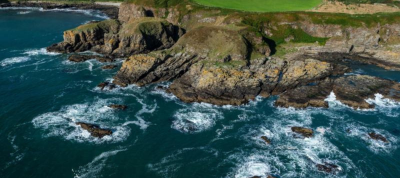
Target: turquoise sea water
[(39, 90)]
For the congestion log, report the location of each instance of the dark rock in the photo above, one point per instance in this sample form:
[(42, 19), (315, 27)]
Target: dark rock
[(266, 139), (350, 90), (328, 168), (161, 88), (256, 177), (118, 107), (378, 137), (80, 58), (83, 58), (94, 130), (109, 67), (103, 85), (104, 59), (305, 132)]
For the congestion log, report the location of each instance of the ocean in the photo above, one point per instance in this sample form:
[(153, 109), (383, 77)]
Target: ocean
[(159, 136)]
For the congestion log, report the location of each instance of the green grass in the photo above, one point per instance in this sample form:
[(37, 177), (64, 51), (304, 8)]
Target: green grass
[(262, 5)]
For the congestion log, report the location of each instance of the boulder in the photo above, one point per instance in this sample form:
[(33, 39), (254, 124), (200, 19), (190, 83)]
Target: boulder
[(118, 106), (103, 85), (377, 137), (266, 140), (94, 130), (328, 168), (305, 132)]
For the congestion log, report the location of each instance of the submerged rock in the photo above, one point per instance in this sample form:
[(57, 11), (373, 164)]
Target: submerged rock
[(83, 58), (266, 140), (305, 132), (118, 106), (328, 168), (103, 85), (378, 137), (94, 130), (109, 67)]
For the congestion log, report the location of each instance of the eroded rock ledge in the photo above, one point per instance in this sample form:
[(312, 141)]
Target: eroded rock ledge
[(223, 61), (110, 37)]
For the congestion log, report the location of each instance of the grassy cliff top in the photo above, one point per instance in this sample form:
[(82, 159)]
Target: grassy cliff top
[(262, 5)]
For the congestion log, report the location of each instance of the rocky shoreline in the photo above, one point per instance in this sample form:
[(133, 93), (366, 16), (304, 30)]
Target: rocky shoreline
[(232, 64), (110, 11)]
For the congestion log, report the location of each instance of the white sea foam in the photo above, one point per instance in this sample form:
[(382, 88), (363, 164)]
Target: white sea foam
[(287, 156), (14, 60), (376, 146), (94, 13), (23, 12), (169, 165), (16, 155), (146, 109), (196, 118), (384, 105), (93, 168), (41, 51), (62, 123)]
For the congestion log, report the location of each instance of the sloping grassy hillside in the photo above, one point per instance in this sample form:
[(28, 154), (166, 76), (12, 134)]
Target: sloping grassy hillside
[(262, 5)]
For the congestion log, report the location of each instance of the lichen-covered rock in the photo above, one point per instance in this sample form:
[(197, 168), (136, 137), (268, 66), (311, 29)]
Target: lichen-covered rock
[(94, 130), (305, 132), (85, 37), (145, 35), (350, 90), (204, 45), (110, 37)]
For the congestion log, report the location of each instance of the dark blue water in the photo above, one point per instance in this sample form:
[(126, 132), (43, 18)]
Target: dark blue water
[(38, 90)]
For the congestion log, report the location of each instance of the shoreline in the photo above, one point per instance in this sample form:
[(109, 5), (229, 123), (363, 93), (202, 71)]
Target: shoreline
[(109, 9)]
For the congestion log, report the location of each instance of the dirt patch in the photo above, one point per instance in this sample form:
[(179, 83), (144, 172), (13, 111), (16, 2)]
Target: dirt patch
[(338, 7)]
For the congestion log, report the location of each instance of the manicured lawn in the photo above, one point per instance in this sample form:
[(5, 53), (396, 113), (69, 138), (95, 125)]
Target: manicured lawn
[(262, 5)]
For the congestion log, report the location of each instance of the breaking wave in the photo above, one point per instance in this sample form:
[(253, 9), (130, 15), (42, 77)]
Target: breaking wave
[(14, 60), (62, 123), (93, 168), (196, 118)]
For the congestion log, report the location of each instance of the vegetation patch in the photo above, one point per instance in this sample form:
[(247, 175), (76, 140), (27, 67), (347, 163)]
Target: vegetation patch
[(262, 5)]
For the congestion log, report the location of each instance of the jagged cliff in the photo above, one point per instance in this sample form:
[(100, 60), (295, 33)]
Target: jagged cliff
[(225, 57)]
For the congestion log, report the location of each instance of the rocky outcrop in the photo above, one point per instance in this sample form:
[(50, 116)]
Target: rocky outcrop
[(110, 37), (104, 85), (85, 37), (305, 132), (378, 137), (328, 168), (83, 58), (266, 139), (118, 106), (350, 90), (94, 130), (210, 64)]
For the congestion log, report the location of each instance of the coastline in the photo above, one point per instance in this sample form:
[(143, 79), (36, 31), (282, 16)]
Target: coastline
[(109, 9)]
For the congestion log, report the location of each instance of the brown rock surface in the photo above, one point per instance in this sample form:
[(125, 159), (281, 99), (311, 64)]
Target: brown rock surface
[(305, 132), (94, 130)]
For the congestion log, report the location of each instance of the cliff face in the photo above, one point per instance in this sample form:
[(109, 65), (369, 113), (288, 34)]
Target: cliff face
[(378, 45), (227, 59), (113, 38)]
